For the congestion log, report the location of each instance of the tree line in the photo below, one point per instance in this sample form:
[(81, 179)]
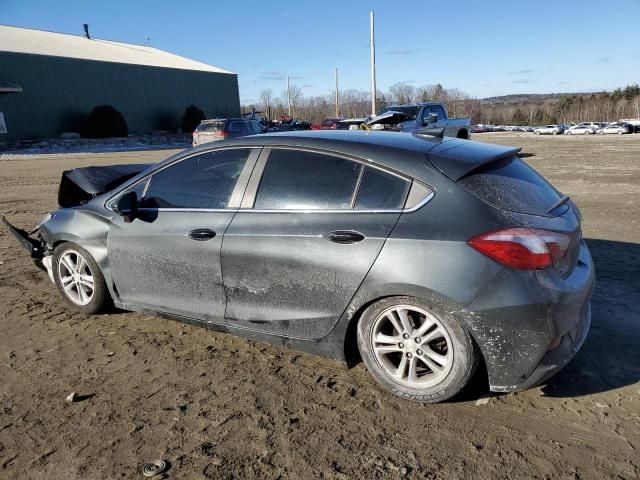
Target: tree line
[(353, 103)]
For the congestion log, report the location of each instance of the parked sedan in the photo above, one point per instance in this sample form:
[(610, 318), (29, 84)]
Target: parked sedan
[(327, 124), (423, 256), (548, 130), (618, 128)]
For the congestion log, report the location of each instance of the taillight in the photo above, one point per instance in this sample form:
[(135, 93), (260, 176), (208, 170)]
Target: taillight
[(523, 248), (223, 134)]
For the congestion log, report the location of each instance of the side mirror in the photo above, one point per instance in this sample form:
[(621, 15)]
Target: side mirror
[(431, 118), (127, 206)]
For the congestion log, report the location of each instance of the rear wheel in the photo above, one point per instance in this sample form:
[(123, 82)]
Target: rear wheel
[(416, 349), (79, 278)]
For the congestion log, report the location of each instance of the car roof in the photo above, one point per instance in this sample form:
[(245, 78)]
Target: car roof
[(402, 152), (348, 142)]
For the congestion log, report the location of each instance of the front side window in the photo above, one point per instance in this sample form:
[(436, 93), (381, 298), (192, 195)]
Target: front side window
[(381, 191), (202, 181), (307, 180)]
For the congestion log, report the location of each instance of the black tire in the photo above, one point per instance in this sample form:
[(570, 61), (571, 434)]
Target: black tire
[(465, 353), (100, 297)]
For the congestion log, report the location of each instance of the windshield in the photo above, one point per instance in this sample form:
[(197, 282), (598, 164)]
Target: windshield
[(411, 111)]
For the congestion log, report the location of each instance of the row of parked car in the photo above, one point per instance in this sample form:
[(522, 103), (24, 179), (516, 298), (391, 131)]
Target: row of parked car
[(430, 118), (588, 128), (583, 128)]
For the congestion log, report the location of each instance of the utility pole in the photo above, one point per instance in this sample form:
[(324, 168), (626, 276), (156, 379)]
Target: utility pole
[(289, 95), (337, 96), (372, 42)]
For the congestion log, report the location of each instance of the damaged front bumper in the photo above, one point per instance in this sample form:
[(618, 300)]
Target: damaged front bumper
[(38, 250)]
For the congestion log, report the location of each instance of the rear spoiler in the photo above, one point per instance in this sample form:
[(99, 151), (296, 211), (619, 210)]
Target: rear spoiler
[(458, 158)]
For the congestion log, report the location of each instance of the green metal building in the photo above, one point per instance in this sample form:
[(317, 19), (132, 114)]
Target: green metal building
[(49, 82)]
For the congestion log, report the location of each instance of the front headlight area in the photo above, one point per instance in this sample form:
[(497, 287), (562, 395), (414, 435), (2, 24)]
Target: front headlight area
[(42, 221)]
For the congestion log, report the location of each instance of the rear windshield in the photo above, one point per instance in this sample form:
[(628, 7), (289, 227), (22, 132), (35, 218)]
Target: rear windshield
[(210, 127), (513, 185)]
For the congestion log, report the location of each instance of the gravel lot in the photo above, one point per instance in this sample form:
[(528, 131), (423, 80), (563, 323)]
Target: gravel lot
[(218, 406)]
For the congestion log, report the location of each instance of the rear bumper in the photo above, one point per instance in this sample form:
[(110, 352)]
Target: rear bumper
[(529, 325), (556, 359)]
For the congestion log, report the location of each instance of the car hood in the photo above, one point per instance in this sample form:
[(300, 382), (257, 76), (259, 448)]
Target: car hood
[(80, 185), (388, 118)]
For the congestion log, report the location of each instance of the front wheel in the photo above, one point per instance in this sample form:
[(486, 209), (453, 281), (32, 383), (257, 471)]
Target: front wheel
[(416, 349), (79, 278)]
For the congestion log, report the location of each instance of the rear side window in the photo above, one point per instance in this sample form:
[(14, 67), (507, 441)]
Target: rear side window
[(238, 126), (307, 180), (513, 185), (381, 191), (202, 181)]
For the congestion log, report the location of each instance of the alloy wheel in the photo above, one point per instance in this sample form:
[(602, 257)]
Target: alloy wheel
[(412, 346), (76, 277)]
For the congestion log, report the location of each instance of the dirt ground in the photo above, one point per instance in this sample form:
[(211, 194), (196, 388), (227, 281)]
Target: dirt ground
[(218, 406)]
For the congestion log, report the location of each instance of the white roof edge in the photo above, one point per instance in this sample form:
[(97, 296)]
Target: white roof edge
[(40, 42)]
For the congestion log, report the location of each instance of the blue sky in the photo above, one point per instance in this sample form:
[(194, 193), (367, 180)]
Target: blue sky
[(484, 48)]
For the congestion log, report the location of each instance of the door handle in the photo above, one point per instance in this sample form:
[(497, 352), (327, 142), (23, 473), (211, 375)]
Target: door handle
[(201, 234), (344, 236)]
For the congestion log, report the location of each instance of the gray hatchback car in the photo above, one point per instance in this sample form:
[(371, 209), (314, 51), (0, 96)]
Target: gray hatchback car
[(423, 256)]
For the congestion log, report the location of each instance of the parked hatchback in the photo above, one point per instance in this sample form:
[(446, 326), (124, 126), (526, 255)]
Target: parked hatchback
[(423, 256), (222, 128)]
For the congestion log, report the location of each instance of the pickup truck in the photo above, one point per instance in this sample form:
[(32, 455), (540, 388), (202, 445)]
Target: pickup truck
[(420, 118)]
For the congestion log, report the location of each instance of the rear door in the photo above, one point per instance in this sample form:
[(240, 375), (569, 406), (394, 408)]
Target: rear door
[(311, 227), (168, 257)]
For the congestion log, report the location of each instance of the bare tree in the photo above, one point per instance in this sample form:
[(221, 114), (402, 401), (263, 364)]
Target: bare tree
[(402, 92), (296, 95), (266, 97)]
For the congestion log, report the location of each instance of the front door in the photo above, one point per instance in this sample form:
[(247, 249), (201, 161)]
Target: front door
[(168, 257), (293, 260)]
